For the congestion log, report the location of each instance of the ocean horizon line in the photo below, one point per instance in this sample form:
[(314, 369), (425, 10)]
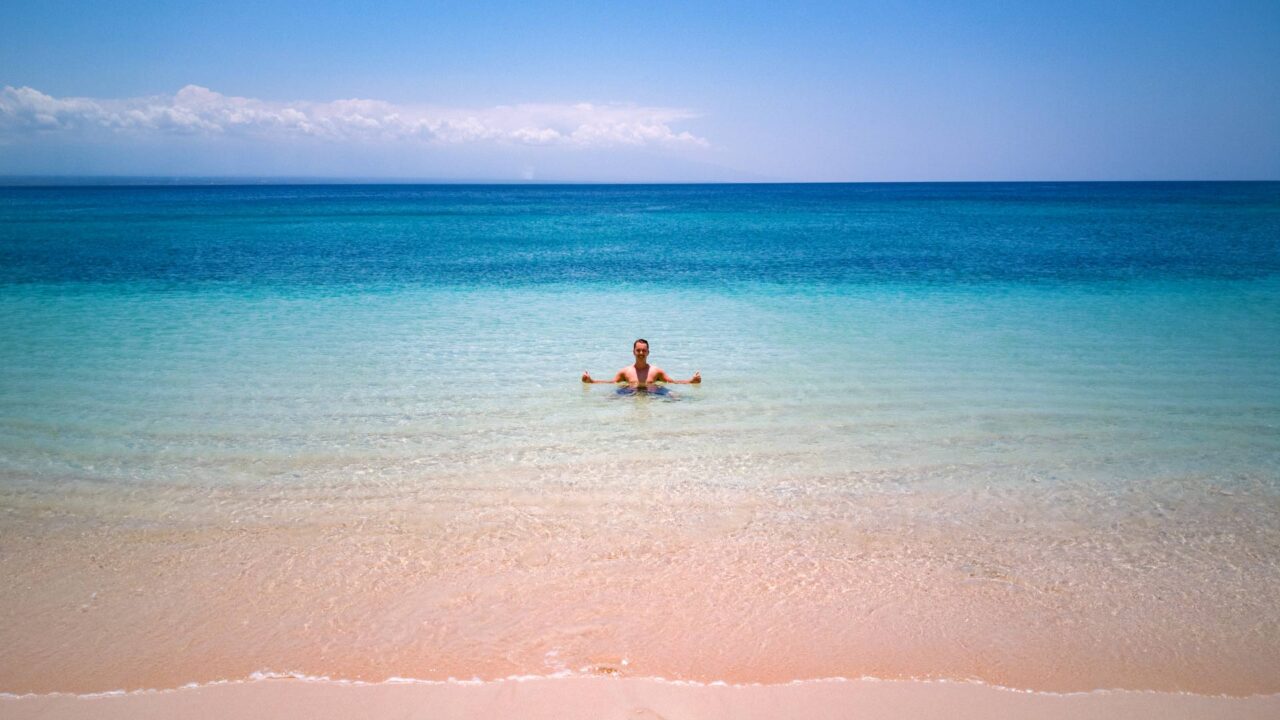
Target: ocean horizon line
[(19, 181)]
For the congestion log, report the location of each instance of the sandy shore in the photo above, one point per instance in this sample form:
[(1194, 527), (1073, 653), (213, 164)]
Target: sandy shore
[(604, 698), (732, 585)]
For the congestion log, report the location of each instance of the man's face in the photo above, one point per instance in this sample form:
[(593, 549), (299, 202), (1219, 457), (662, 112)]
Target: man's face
[(641, 350)]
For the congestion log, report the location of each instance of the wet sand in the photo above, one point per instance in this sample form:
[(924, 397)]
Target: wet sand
[(631, 699)]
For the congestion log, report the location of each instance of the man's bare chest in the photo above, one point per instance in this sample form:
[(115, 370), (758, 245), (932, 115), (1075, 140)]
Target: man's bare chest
[(645, 376)]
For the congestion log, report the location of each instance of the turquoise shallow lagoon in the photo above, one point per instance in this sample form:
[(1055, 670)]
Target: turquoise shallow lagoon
[(131, 385), (1028, 433)]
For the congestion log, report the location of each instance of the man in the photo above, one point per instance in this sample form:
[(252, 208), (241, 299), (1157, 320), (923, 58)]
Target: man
[(642, 375)]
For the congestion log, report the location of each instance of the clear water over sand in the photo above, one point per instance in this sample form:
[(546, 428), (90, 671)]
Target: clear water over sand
[(1022, 434)]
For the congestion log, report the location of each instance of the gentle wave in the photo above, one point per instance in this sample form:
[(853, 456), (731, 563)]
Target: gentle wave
[(269, 676)]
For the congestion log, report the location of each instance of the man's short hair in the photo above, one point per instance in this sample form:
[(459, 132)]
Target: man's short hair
[(638, 341)]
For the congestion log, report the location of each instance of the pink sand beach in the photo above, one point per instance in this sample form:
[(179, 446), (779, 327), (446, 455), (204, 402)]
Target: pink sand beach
[(726, 610)]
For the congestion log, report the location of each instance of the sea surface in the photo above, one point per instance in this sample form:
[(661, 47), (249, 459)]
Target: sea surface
[(1025, 433)]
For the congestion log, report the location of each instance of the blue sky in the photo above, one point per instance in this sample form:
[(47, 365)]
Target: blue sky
[(643, 91)]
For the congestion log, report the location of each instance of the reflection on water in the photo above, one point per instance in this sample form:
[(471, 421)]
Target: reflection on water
[(649, 392)]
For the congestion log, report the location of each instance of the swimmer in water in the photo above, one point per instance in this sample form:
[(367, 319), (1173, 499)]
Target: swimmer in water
[(641, 375)]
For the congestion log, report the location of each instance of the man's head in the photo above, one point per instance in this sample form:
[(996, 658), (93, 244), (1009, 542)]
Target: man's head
[(640, 348)]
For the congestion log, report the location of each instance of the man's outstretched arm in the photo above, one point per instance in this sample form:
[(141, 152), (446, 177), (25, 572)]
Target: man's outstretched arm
[(586, 378), (695, 380)]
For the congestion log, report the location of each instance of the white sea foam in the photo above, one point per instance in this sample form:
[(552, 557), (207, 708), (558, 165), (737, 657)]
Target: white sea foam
[(275, 676)]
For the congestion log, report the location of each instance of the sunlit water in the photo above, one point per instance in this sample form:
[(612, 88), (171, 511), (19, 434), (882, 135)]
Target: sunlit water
[(1028, 434)]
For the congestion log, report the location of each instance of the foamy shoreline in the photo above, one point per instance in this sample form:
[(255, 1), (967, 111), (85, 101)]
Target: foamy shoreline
[(568, 696)]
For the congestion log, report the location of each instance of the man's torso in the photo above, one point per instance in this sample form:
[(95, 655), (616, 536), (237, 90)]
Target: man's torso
[(642, 377)]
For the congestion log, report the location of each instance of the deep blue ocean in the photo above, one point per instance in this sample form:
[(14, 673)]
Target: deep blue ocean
[(347, 238)]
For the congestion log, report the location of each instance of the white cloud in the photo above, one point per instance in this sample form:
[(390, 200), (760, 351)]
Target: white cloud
[(195, 110)]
